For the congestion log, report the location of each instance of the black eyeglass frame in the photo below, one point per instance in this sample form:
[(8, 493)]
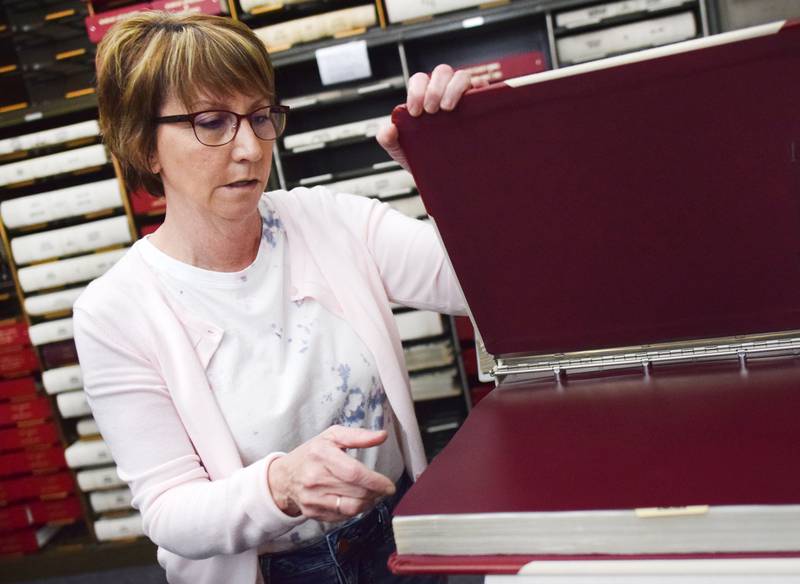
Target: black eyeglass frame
[(284, 109)]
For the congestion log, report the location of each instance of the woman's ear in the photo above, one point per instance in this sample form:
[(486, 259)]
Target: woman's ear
[(153, 163)]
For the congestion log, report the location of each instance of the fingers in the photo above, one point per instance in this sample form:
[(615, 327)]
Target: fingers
[(417, 85), (459, 83), (440, 78), (345, 437), (389, 139)]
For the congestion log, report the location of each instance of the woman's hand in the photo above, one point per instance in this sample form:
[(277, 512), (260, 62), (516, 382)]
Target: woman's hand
[(441, 91), (320, 481)]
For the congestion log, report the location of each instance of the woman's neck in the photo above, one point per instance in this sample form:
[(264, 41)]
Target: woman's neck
[(217, 244)]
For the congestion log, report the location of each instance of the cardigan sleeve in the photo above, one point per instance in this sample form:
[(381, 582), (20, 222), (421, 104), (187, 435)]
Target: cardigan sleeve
[(413, 265), (182, 510)]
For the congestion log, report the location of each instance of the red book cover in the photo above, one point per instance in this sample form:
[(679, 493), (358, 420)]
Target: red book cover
[(22, 541), (59, 511), (29, 435), (36, 487), (685, 435), (143, 203), (507, 67), (99, 24), (18, 362), (13, 388), (30, 460), (37, 408), (58, 354), (14, 334), (648, 198), (590, 189)]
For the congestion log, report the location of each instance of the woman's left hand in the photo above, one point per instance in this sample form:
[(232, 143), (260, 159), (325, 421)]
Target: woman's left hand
[(441, 91)]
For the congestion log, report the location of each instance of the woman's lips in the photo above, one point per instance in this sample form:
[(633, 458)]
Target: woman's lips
[(242, 183)]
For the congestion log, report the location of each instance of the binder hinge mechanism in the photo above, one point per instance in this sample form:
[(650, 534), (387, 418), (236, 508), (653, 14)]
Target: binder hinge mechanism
[(559, 365)]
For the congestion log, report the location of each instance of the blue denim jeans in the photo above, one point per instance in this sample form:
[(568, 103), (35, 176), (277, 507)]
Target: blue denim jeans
[(353, 553)]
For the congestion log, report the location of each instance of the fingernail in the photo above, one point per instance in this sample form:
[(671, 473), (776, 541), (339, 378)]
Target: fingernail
[(447, 104)]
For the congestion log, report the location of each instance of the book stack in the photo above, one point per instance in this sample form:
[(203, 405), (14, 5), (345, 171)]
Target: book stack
[(310, 28), (109, 498), (36, 492)]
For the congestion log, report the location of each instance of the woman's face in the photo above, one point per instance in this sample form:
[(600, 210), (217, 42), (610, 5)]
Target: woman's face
[(218, 182)]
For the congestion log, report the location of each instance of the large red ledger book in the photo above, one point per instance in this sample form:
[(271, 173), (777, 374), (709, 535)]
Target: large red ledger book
[(639, 206)]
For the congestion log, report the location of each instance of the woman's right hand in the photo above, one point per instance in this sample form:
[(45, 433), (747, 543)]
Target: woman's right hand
[(319, 480)]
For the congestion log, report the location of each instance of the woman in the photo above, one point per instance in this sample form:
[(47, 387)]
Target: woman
[(242, 362)]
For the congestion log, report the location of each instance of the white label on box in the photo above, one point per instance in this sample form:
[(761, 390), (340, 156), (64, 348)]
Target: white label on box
[(345, 62), (62, 379)]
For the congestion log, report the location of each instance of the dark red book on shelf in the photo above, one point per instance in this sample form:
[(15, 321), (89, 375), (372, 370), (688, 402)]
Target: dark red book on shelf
[(43, 433), (32, 460), (143, 203), (627, 235), (60, 511), (58, 354), (18, 362), (41, 486), (12, 413), (14, 334), (15, 388), (23, 541)]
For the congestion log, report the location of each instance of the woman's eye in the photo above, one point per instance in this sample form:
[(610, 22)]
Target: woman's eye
[(210, 121)]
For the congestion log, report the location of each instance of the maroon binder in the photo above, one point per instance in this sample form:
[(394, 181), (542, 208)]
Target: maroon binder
[(642, 201)]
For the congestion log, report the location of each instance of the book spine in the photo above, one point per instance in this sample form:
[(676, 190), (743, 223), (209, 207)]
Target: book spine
[(628, 37), (400, 10), (23, 541), (50, 137), (384, 184), (13, 334), (368, 127), (70, 240), (52, 164), (58, 354), (18, 362), (73, 404), (119, 528), (51, 331), (23, 437), (17, 387), (418, 324), (88, 453), (35, 487), (70, 271), (62, 379), (315, 27), (99, 478), (601, 12), (37, 408), (26, 461), (113, 500), (87, 427), (52, 302), (61, 204)]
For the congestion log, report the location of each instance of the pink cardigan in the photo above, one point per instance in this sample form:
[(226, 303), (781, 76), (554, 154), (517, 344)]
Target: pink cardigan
[(143, 359)]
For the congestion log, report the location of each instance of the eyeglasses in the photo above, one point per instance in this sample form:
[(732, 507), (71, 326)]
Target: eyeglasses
[(219, 127)]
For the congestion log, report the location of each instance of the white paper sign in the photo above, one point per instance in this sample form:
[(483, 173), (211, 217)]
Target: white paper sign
[(342, 63)]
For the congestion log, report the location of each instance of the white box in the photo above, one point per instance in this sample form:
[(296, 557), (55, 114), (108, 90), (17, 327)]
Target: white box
[(87, 427), (52, 302), (98, 478), (628, 37), (368, 127), (73, 404), (87, 453), (113, 500), (62, 162), (400, 10), (50, 332), (50, 137), (71, 271), (119, 527), (417, 324), (71, 240), (61, 204), (62, 379)]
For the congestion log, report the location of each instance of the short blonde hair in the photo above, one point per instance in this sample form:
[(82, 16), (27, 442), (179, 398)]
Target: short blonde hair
[(151, 55)]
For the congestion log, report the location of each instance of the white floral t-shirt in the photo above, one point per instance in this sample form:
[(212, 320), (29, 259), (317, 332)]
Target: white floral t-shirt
[(284, 371)]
